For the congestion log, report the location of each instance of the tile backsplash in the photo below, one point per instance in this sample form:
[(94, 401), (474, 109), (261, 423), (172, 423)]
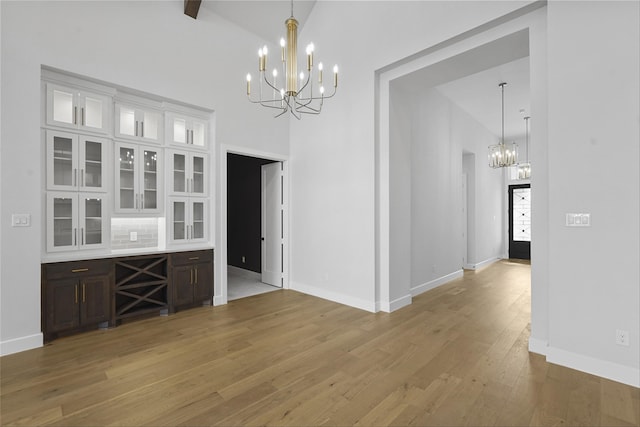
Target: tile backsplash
[(145, 228)]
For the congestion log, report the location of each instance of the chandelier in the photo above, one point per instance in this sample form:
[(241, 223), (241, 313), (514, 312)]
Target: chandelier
[(502, 155), (298, 93), (524, 169)]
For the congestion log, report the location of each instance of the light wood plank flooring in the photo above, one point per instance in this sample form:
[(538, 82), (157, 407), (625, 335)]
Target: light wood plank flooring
[(457, 356)]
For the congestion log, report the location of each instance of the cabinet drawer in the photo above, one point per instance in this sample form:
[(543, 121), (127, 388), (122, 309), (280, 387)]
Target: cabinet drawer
[(191, 257), (77, 268)]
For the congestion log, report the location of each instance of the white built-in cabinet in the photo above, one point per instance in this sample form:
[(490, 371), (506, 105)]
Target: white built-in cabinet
[(76, 221), (186, 130), (188, 218), (76, 162), (77, 109), (110, 152), (187, 173), (138, 123), (138, 178)]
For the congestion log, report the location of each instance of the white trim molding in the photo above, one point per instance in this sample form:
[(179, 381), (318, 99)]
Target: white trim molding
[(602, 368), (538, 346), (17, 345), (397, 304), (481, 264), (417, 290), (333, 296)]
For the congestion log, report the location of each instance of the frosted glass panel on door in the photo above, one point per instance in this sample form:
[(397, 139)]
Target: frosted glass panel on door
[(150, 126), (198, 220), (93, 112), (522, 214), (150, 180), (179, 173), (92, 164), (93, 222), (198, 134), (62, 106), (127, 195), (127, 121), (198, 175), (179, 225), (63, 222), (63, 161), (179, 130)]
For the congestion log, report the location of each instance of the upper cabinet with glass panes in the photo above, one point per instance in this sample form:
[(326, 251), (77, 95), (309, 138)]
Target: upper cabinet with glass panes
[(77, 162), (139, 124), (183, 130), (78, 109)]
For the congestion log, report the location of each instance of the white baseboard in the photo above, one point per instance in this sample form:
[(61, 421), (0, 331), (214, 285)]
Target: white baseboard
[(217, 300), (538, 346), (613, 371), (481, 264), (243, 273), (17, 345), (417, 290), (333, 296), (394, 305)]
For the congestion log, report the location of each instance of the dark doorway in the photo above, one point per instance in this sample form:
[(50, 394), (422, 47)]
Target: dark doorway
[(520, 221)]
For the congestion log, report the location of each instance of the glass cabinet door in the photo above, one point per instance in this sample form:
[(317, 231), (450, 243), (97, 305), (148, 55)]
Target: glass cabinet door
[(199, 134), (92, 114), (150, 188), (179, 221), (127, 121), (198, 182), (197, 220), (126, 178), (179, 176), (62, 106), (92, 220), (61, 161), (61, 221), (138, 124), (179, 130), (92, 163)]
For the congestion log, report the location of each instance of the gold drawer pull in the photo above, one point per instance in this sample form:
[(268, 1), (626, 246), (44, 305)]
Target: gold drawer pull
[(194, 258), (79, 270)]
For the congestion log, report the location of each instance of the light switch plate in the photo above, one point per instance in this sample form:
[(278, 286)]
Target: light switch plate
[(133, 236), (578, 220), (20, 220)]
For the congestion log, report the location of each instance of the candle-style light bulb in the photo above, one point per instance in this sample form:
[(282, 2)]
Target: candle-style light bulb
[(260, 60), (301, 75), (264, 57), (322, 90), (310, 48), (283, 43), (335, 76), (248, 84), (320, 73)]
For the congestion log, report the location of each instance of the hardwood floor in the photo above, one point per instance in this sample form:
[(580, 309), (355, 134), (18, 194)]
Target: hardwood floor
[(457, 356)]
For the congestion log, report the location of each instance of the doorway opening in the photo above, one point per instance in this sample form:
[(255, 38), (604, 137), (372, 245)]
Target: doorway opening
[(255, 215)]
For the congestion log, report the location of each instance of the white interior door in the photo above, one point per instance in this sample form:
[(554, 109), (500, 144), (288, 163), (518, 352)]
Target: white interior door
[(272, 224)]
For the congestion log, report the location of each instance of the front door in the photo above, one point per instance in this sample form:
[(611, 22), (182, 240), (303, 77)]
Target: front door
[(520, 221)]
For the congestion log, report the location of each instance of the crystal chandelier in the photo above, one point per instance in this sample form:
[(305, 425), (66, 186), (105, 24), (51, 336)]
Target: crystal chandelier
[(297, 93), (502, 155), (524, 169)]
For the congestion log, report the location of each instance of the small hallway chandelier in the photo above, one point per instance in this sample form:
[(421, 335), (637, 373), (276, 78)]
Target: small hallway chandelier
[(298, 93), (524, 168), (502, 155)]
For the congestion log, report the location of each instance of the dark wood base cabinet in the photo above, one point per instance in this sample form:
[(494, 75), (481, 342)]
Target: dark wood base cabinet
[(84, 295), (76, 296), (192, 278)]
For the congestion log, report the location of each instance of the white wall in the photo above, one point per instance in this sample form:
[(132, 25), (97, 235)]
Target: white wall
[(149, 46), (333, 155), (594, 153)]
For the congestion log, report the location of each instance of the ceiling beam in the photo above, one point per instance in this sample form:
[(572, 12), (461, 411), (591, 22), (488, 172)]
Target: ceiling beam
[(191, 8)]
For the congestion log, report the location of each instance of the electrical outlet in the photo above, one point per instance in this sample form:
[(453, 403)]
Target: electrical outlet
[(133, 236), (622, 337), (244, 260)]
